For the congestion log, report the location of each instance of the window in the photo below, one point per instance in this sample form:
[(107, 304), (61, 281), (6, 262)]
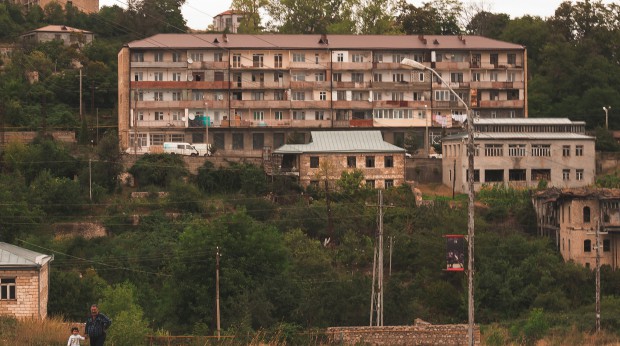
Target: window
[(157, 138), (299, 115), (389, 183), (337, 77), (197, 95), (138, 57), (237, 139), (257, 60), (511, 76), (388, 161), (158, 96), (541, 150), (566, 174), (579, 150), (370, 184), (159, 56), (258, 77), (493, 175), (236, 60), (176, 57), (176, 76), (397, 58), (398, 96), (493, 150), (493, 76), (319, 115), (314, 162), (586, 214), (299, 96), (579, 174), (299, 57), (398, 77), (516, 150), (357, 77), (351, 161), (298, 77), (357, 58), (138, 76), (475, 76), (322, 95), (566, 150), (7, 289), (340, 57), (176, 96), (176, 115), (341, 95), (512, 94), (219, 141), (512, 59), (421, 77), (494, 95), (278, 95), (158, 76), (258, 95), (319, 77), (370, 161), (278, 140), (378, 57), (376, 96), (456, 77), (357, 95), (442, 95), (141, 116), (277, 60), (516, 174), (606, 245), (278, 115), (258, 141), (259, 115), (494, 59), (316, 59), (587, 245), (218, 56), (197, 56), (377, 77)]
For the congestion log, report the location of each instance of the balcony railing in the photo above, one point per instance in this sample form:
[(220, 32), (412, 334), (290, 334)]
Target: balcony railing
[(501, 103), (180, 85)]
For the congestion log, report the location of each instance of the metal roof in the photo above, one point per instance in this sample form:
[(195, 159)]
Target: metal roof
[(15, 256), (342, 142), (60, 28), (521, 136), (334, 42), (526, 121)]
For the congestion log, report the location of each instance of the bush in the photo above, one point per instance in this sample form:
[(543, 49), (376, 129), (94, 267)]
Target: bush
[(159, 169)]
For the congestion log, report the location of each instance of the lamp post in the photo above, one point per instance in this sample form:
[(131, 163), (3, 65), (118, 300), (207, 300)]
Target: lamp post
[(470, 193), (606, 109)]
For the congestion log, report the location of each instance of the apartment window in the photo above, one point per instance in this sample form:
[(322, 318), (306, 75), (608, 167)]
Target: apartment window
[(176, 116), (516, 174), (159, 56), (357, 77), (420, 76), (377, 77), (512, 94), (314, 162), (493, 114), (357, 96), (138, 76), (494, 95), (417, 96), (357, 58), (237, 141), (376, 96), (606, 245), (176, 57), (512, 59), (258, 95), (319, 115), (157, 138), (516, 150), (7, 289), (398, 77), (258, 77), (219, 141), (370, 161), (579, 150), (587, 245), (418, 57), (141, 141), (351, 161), (389, 183), (316, 59), (278, 115), (475, 76), (337, 77), (566, 174), (258, 141), (299, 115), (322, 95), (566, 150), (541, 150), (140, 116), (442, 95), (511, 114), (278, 140), (388, 161), (176, 96), (586, 214), (278, 95), (340, 57), (299, 96), (579, 174), (197, 56), (158, 96), (257, 60), (493, 150), (298, 77), (397, 58), (299, 57), (176, 76), (197, 95), (137, 57), (341, 95), (456, 77), (493, 59), (158, 76), (277, 60), (259, 115), (159, 115), (511, 77), (218, 56), (236, 60), (319, 77), (370, 184), (377, 57)]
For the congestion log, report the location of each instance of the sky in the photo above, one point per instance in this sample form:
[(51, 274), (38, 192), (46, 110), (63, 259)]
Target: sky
[(199, 13)]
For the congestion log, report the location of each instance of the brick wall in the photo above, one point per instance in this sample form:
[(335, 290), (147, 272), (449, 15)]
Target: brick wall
[(425, 334), (28, 293)]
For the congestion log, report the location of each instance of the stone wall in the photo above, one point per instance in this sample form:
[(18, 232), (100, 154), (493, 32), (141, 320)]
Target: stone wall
[(422, 334), (28, 136), (27, 294)]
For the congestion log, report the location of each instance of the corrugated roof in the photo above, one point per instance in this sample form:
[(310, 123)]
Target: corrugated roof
[(60, 28), (15, 256), (526, 121), (342, 142), (555, 193), (520, 136), (335, 42)]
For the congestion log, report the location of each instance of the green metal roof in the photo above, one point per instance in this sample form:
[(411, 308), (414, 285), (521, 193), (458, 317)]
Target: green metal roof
[(342, 142)]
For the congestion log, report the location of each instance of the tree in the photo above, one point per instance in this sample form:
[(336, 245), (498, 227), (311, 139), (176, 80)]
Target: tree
[(120, 304), (377, 17), (488, 24), (312, 17), (158, 169), (437, 17), (150, 17), (251, 21)]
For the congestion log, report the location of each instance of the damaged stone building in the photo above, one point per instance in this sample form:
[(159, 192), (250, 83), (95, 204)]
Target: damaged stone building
[(572, 216)]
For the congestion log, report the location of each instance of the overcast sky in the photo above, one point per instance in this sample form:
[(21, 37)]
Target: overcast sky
[(199, 13)]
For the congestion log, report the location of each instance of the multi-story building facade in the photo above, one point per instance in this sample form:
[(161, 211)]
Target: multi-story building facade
[(88, 6), (243, 93), (521, 153), (227, 21), (572, 217)]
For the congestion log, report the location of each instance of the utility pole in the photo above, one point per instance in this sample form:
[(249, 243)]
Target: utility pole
[(81, 107), (90, 180), (330, 223), (217, 289), (598, 278), (376, 304)]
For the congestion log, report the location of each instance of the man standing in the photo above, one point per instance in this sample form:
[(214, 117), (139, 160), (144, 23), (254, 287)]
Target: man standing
[(96, 326)]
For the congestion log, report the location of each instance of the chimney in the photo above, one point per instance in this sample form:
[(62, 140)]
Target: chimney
[(421, 38), (462, 39), (323, 39)]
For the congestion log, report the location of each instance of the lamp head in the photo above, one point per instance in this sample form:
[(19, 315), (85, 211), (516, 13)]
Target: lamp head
[(412, 63)]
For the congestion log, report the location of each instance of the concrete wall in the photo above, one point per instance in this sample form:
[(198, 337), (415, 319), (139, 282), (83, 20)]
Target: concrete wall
[(423, 170), (31, 293), (455, 334)]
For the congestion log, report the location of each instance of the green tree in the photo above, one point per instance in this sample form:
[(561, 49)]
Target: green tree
[(312, 17), (436, 17), (488, 24), (377, 17), (251, 21), (158, 169), (17, 214), (128, 324)]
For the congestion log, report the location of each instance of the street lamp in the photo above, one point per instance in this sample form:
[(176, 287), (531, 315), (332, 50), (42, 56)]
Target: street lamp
[(470, 193), (606, 109)]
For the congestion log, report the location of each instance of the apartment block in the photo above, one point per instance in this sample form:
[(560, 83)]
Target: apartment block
[(249, 93), (521, 153)]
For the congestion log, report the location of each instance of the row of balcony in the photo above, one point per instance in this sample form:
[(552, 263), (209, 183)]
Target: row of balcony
[(225, 85), (242, 123)]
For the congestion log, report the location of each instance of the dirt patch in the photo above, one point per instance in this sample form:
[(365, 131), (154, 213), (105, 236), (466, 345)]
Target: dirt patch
[(435, 189)]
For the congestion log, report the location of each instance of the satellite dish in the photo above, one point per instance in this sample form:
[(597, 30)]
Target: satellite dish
[(190, 77), (191, 116), (182, 118), (190, 61)]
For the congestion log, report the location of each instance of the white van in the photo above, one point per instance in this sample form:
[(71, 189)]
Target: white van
[(180, 148), (203, 149)]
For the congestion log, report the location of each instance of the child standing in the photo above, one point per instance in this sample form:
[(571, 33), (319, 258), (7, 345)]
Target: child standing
[(74, 339)]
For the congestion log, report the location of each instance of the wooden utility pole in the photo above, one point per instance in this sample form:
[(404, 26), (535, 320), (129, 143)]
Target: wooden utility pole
[(376, 308), (598, 277), (330, 223), (217, 290)]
